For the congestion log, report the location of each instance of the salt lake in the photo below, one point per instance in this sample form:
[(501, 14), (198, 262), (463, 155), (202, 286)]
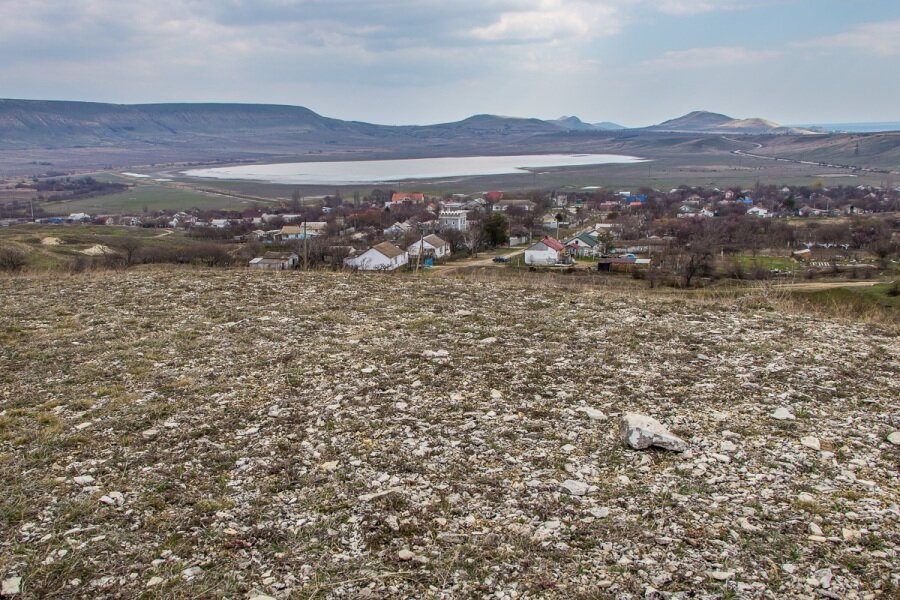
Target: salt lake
[(383, 171)]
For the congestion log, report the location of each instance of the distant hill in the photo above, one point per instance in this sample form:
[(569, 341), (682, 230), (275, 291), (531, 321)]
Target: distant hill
[(700, 121), (608, 126), (576, 124)]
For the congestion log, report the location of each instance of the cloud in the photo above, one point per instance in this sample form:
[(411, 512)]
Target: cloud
[(552, 20), (694, 7), (701, 58), (880, 39)]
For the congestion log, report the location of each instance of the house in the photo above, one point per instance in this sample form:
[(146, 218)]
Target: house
[(804, 255), (454, 219), (278, 261), (307, 230), (548, 251), (523, 203), (398, 229), (78, 217), (432, 247), (493, 196), (398, 198), (583, 244), (758, 211), (380, 257)]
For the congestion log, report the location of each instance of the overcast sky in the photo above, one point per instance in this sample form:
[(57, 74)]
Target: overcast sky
[(635, 62)]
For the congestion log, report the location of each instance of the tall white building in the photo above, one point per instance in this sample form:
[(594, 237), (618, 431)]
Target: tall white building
[(454, 219)]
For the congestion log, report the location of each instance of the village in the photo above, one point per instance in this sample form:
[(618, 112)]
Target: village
[(680, 236)]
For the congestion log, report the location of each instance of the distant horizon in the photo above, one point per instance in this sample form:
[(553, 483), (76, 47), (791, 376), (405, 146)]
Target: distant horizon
[(849, 123)]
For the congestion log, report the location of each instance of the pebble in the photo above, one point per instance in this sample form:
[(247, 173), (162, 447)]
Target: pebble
[(11, 586), (406, 554)]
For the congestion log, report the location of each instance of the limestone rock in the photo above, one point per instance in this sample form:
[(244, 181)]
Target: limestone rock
[(641, 431), (574, 488), (783, 414)]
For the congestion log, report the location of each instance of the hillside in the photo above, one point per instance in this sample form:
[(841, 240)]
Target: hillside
[(186, 433), (710, 122)]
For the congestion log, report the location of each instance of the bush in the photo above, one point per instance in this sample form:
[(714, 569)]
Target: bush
[(12, 260)]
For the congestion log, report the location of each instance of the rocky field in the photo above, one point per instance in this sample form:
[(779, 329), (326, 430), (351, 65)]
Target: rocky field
[(187, 433)]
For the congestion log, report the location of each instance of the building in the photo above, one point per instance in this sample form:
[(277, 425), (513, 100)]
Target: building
[(278, 261), (758, 211), (524, 204), (548, 251), (380, 257), (454, 219), (302, 231), (398, 198), (583, 244), (432, 247)]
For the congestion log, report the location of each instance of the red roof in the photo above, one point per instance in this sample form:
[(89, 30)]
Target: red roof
[(400, 197), (493, 196), (552, 243)]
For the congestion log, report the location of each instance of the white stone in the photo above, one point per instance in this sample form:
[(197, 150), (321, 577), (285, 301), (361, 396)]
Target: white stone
[(592, 413), (641, 431), (574, 488), (783, 414), (814, 529), (894, 438), (811, 441), (83, 479), (488, 340), (154, 581), (11, 586), (721, 575), (824, 577), (406, 554)]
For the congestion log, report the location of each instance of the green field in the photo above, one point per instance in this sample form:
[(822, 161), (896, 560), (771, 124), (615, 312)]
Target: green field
[(72, 240), (782, 263), (152, 197)]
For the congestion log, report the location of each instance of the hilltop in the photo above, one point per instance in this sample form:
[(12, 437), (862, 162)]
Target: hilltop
[(174, 432), (709, 122)]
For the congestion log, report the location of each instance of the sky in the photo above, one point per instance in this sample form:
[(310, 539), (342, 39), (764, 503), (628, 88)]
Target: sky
[(634, 62)]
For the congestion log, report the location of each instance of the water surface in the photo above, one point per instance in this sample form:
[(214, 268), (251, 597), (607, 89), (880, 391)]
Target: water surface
[(382, 171)]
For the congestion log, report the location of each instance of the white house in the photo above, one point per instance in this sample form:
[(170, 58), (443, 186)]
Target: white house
[(454, 219), (278, 261), (758, 211), (548, 251), (380, 257), (432, 246)]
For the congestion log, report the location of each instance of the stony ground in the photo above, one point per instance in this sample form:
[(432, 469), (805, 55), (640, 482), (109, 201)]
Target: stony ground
[(190, 433)]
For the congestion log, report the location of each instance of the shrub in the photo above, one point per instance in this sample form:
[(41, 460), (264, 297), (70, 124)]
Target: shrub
[(12, 260)]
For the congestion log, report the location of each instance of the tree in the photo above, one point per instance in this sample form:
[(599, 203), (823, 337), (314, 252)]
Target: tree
[(129, 247), (496, 230)]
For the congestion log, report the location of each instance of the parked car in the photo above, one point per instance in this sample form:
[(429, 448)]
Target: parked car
[(501, 259)]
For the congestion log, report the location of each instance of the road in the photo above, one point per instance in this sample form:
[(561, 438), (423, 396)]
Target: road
[(484, 260), (806, 162)]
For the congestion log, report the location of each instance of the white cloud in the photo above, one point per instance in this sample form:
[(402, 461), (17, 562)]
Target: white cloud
[(694, 7), (552, 20), (880, 39), (700, 58)]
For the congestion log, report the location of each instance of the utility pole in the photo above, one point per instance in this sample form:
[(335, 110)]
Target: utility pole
[(421, 252), (305, 248), (31, 203)]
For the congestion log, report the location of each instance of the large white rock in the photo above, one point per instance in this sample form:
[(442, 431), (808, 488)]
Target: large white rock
[(575, 488), (783, 414), (894, 438), (641, 431)]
